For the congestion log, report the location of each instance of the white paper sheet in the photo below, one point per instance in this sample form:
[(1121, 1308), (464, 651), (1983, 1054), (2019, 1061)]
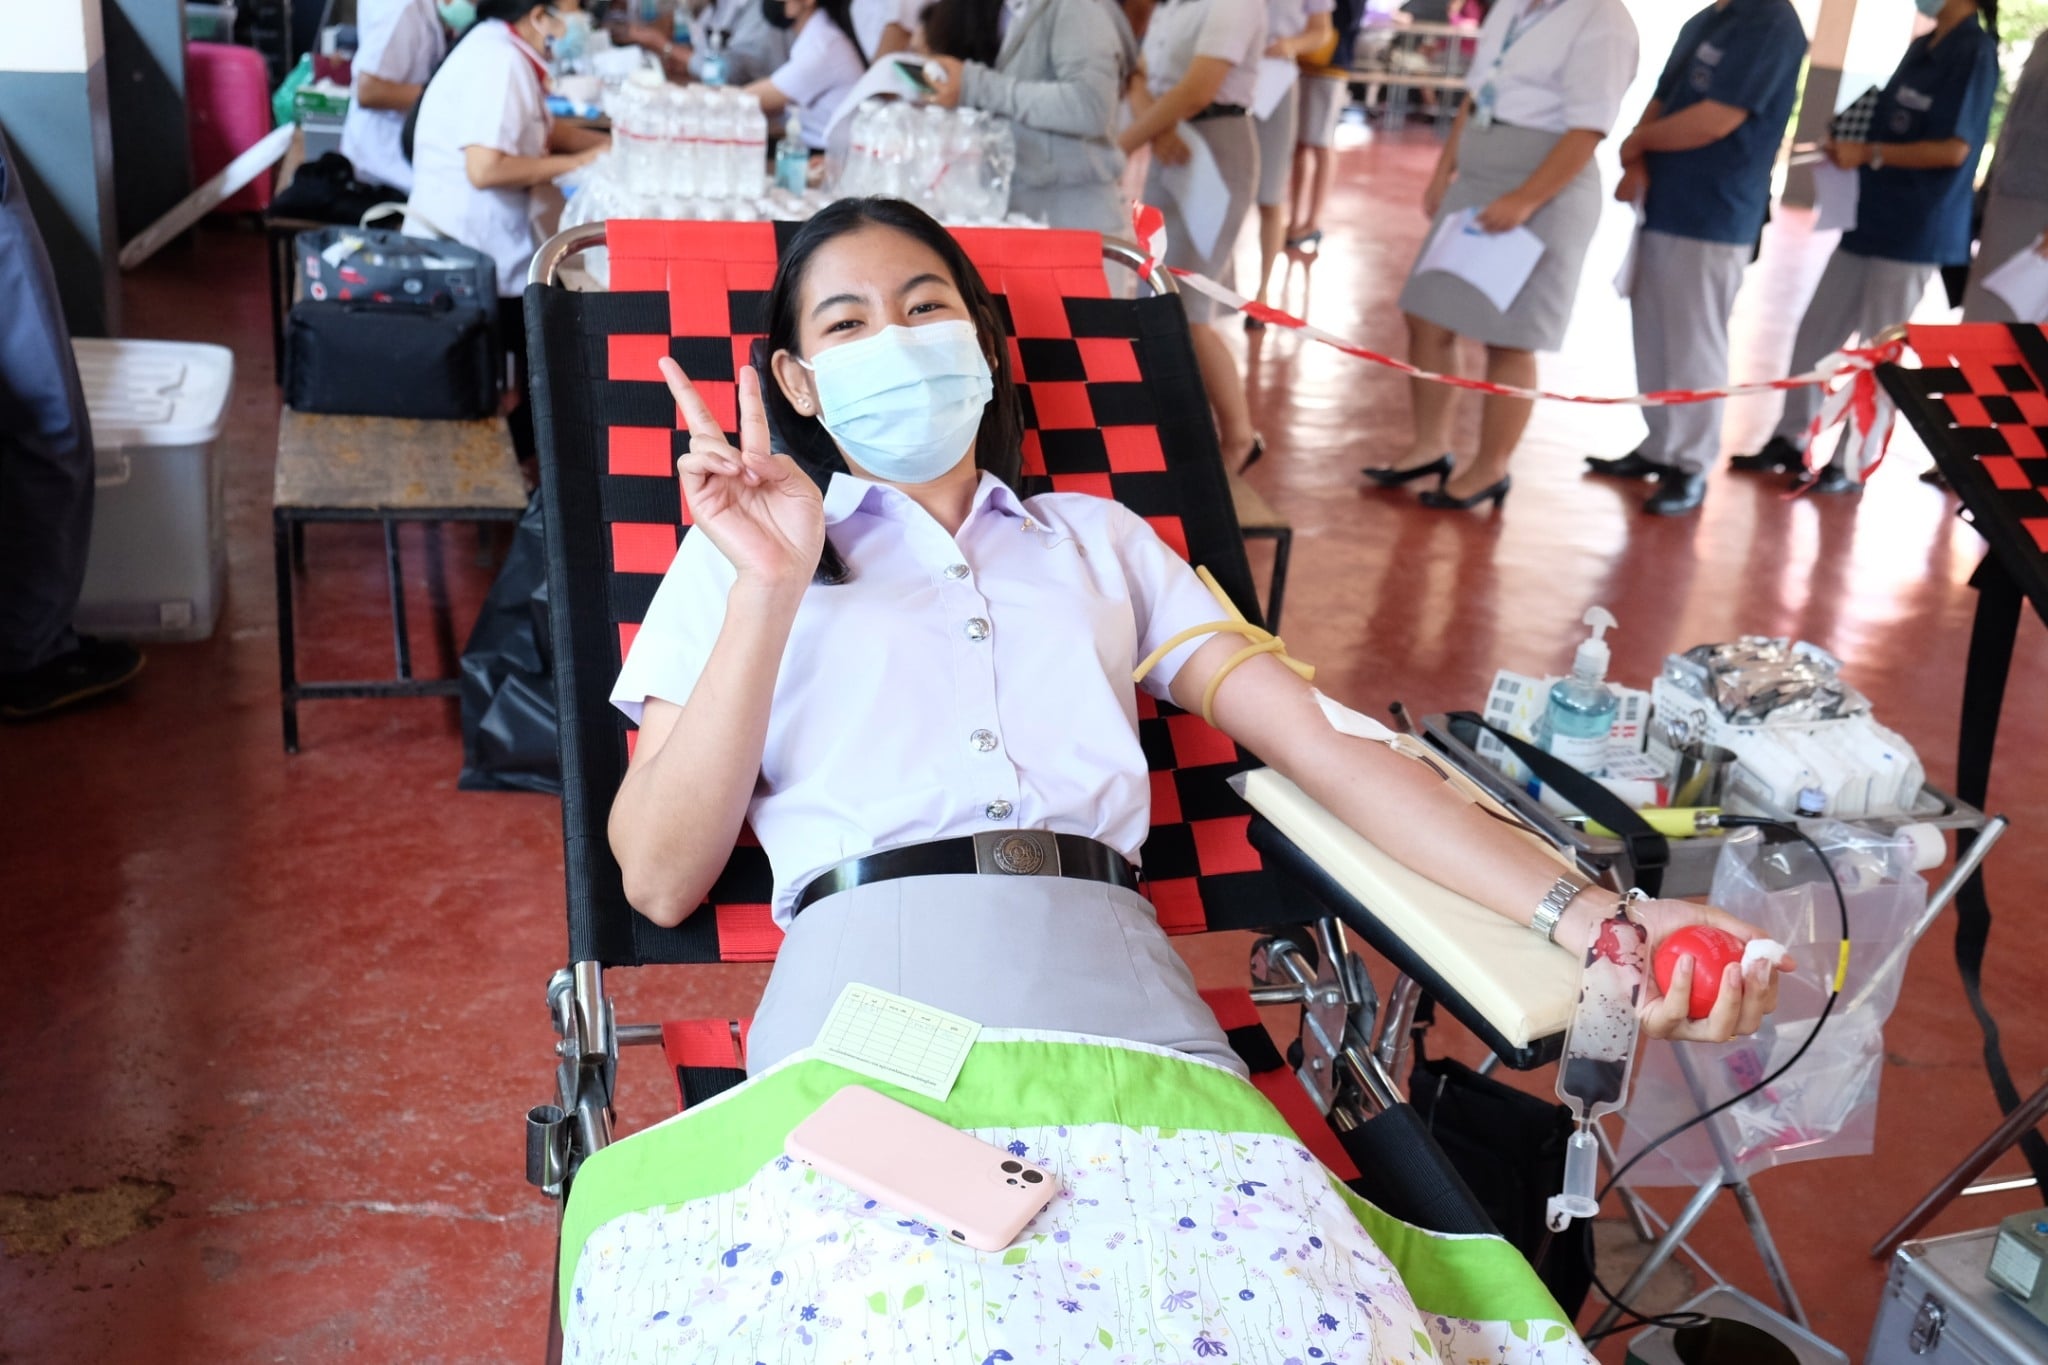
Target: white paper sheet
[(1625, 278), (2022, 282), (1497, 264), (1277, 76), (897, 1040), (1835, 192), (1197, 186)]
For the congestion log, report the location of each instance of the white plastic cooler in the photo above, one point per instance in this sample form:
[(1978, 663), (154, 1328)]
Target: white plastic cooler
[(157, 567)]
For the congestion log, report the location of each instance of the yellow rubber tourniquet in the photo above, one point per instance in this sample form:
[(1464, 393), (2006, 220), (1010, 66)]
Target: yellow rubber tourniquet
[(1263, 642)]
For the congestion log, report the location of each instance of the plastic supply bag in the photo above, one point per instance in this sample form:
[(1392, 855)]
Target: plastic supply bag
[(1826, 1106), (509, 730)]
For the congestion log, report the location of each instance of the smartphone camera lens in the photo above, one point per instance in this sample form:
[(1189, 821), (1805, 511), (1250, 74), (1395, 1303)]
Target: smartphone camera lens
[(1012, 1180), (1033, 1177), (1012, 1167)]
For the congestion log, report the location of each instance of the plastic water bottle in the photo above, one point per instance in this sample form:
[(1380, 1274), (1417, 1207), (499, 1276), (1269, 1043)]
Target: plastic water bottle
[(792, 157), (1582, 707), (714, 70), (714, 180), (686, 163), (752, 160)]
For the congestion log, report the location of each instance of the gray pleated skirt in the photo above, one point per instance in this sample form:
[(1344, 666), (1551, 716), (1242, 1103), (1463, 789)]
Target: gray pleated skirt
[(1008, 952), (2010, 227), (1491, 162), (1276, 134), (1236, 149)]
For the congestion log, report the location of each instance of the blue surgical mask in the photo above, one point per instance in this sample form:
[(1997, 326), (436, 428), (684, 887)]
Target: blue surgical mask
[(1930, 8), (906, 403), (458, 15)]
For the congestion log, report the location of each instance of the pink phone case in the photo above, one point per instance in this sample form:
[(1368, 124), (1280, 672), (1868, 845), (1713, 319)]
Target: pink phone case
[(963, 1188)]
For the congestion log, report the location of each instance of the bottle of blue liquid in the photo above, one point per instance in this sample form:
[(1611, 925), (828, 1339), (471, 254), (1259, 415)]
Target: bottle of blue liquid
[(713, 69), (1582, 707), (792, 156)]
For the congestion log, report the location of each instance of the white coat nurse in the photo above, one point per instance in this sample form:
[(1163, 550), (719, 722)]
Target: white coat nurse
[(398, 45), (486, 154)]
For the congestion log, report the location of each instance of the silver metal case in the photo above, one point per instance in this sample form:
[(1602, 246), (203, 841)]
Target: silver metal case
[(1940, 1309)]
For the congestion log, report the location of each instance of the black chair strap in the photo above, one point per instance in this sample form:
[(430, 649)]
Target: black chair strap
[(1649, 852)]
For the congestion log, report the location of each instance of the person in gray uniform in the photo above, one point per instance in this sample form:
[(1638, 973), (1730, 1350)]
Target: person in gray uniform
[(45, 485), (1059, 72), (2016, 207), (1545, 87), (1700, 162), (754, 48), (1916, 177)]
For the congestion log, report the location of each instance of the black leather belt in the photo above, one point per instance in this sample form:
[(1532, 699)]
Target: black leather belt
[(995, 852), (1220, 111)]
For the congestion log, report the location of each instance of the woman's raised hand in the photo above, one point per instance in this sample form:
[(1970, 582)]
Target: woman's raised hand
[(1745, 998), (763, 513)]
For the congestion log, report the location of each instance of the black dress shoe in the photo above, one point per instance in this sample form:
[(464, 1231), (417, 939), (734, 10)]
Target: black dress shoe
[(1777, 457), (1495, 493), (1677, 494), (1835, 480), (1390, 477), (1630, 466)]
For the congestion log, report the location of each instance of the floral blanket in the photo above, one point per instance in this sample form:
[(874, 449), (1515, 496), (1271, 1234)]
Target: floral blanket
[(1191, 1226)]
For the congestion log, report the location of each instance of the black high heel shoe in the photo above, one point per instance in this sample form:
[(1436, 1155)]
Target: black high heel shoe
[(1254, 455), (1390, 477), (1496, 493)]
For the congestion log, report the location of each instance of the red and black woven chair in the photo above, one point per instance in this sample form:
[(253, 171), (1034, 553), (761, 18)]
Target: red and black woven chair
[(1114, 407)]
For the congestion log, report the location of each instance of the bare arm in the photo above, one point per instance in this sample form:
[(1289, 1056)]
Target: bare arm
[(676, 818), (1696, 125), (1406, 810), (573, 138), (490, 169), (374, 92), (1190, 95), (895, 38), (773, 101), (1566, 159), (1310, 39), (1944, 154), (1446, 161)]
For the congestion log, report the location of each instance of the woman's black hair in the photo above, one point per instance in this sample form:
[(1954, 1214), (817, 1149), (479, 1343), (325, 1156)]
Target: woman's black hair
[(999, 445), (840, 12), (507, 11), (969, 30)]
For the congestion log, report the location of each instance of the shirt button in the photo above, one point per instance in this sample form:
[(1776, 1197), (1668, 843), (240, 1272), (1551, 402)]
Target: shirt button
[(977, 629), (956, 571), (983, 740), (1030, 525), (998, 809)]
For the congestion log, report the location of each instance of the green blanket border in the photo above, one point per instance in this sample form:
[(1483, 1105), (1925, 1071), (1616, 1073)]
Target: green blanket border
[(1016, 1084)]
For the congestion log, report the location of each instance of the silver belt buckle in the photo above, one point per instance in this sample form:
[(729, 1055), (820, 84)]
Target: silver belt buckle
[(1016, 853)]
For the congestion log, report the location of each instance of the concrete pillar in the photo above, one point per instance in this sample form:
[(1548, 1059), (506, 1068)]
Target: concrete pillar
[(146, 101), (53, 104), (1856, 44)]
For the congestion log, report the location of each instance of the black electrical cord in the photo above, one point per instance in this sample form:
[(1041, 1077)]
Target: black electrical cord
[(1630, 1316)]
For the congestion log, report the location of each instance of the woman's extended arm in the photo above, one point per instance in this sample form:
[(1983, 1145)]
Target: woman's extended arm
[(674, 822), (1077, 99), (773, 101), (1410, 813), (374, 92), (490, 169)]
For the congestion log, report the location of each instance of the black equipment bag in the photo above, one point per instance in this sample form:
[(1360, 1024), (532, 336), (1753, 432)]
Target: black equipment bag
[(1510, 1148), (327, 191), (392, 359), (381, 265)]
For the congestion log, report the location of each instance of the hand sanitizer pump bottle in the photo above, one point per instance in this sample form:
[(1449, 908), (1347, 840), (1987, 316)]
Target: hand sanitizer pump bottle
[(1582, 707), (792, 156)]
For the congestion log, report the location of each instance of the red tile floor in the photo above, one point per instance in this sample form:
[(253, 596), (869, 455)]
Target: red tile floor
[(271, 1022)]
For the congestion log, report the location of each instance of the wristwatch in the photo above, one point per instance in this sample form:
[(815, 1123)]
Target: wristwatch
[(1551, 908)]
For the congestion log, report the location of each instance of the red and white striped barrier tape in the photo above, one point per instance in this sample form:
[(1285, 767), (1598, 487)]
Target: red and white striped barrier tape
[(1853, 395)]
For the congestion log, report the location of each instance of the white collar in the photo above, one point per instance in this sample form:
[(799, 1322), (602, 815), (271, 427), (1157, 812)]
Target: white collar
[(845, 495)]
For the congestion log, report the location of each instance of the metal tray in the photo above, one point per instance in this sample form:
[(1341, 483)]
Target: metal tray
[(1691, 870)]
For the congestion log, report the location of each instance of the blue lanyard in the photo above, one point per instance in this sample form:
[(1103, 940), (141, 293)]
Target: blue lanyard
[(1533, 12)]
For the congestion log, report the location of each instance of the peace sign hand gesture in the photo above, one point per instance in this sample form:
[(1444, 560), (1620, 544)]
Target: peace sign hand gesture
[(763, 513)]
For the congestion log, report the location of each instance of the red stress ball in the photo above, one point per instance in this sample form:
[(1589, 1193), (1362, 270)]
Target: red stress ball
[(1711, 951)]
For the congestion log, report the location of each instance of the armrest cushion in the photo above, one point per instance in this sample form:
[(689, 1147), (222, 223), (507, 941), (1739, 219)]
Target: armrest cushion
[(1525, 988)]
